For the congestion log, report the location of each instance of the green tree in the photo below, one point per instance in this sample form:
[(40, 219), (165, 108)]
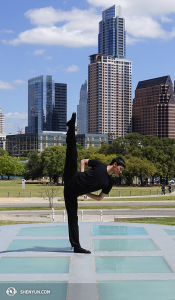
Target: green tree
[(53, 161), (34, 167), (140, 167)]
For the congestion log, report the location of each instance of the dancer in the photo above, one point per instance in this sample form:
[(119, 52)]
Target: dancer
[(80, 183)]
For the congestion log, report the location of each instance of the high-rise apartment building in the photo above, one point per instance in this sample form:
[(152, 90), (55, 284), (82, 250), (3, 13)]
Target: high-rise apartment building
[(2, 122), (154, 108), (110, 79), (47, 105), (82, 110), (109, 95), (112, 35)]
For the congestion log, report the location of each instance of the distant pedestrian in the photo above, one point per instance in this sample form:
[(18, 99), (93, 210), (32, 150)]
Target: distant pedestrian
[(169, 188), (163, 189)]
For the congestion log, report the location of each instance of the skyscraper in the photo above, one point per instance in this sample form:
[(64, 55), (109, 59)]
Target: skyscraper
[(112, 35), (109, 95), (82, 110), (110, 79), (47, 105), (60, 108), (2, 122), (154, 108)]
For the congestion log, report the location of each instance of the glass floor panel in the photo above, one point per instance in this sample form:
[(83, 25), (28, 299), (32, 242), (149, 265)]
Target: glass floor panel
[(124, 245), (48, 290), (34, 265), (44, 231), (39, 245), (128, 264), (117, 230), (169, 231), (136, 290)]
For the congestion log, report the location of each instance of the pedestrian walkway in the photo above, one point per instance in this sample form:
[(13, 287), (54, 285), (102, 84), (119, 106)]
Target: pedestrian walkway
[(133, 261)]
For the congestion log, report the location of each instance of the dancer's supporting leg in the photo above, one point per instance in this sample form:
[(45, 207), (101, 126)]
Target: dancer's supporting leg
[(69, 189)]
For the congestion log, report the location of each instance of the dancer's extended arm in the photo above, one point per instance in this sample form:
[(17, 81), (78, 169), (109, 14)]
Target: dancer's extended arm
[(96, 197)]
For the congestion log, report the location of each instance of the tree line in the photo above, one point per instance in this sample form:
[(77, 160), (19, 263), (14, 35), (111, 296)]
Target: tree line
[(144, 156)]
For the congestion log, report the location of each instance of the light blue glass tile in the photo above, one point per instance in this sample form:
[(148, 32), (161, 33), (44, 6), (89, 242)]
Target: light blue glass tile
[(44, 231), (128, 264), (39, 245), (136, 290), (169, 231), (117, 230), (124, 245), (48, 290), (34, 265)]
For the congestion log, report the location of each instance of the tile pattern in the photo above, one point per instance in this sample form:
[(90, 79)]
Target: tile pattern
[(127, 262)]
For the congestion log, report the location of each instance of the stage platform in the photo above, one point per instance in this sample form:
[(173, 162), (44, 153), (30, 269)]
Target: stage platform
[(128, 261)]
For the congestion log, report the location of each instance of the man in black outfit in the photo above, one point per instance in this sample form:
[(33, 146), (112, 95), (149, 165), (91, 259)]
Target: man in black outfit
[(80, 183)]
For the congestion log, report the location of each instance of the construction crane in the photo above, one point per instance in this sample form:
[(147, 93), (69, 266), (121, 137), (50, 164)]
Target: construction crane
[(19, 130)]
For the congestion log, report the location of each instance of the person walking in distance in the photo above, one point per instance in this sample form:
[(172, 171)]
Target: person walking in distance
[(80, 183)]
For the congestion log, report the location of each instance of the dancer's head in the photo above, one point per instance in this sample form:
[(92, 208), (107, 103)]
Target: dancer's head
[(118, 165)]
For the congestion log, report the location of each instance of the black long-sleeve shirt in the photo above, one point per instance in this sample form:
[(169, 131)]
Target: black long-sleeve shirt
[(95, 179)]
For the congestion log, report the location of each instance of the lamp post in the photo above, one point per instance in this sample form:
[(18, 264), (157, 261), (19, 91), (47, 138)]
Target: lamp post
[(15, 159)]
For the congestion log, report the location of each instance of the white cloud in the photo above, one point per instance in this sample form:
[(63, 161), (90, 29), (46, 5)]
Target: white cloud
[(143, 18), (16, 115), (50, 70), (7, 31), (39, 52), (48, 57), (32, 71), (19, 81), (165, 19), (137, 7), (72, 68), (5, 85), (80, 28)]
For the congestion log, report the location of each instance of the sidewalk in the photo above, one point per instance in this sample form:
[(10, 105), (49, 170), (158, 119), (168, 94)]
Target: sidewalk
[(58, 201)]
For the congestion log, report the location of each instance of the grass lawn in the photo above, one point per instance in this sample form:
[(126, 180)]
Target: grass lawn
[(159, 221), (36, 189), (15, 187)]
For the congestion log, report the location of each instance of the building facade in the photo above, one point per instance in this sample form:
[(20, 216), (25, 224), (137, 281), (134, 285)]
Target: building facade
[(82, 110), (47, 105), (109, 95), (2, 122), (112, 34), (16, 144), (60, 108), (3, 141), (154, 108), (91, 140)]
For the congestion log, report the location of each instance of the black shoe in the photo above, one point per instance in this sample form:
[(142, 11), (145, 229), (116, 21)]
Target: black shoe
[(81, 250), (72, 120)]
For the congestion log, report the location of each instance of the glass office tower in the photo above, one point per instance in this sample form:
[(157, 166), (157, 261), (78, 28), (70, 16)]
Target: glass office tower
[(82, 110), (112, 34), (60, 108), (43, 105)]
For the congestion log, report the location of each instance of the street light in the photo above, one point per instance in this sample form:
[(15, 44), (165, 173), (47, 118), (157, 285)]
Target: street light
[(15, 159)]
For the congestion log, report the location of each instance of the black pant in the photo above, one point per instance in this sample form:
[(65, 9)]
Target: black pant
[(70, 197)]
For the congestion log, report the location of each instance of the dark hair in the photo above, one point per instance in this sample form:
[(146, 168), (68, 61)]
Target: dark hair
[(119, 161)]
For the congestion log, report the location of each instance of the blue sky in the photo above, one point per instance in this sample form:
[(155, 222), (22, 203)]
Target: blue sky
[(56, 38)]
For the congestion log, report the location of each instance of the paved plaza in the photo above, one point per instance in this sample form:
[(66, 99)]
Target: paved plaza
[(128, 261)]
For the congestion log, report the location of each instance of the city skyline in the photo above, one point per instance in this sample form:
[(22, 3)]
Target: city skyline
[(70, 35)]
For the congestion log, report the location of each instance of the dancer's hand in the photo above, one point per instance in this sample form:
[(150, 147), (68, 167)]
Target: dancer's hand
[(96, 197)]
